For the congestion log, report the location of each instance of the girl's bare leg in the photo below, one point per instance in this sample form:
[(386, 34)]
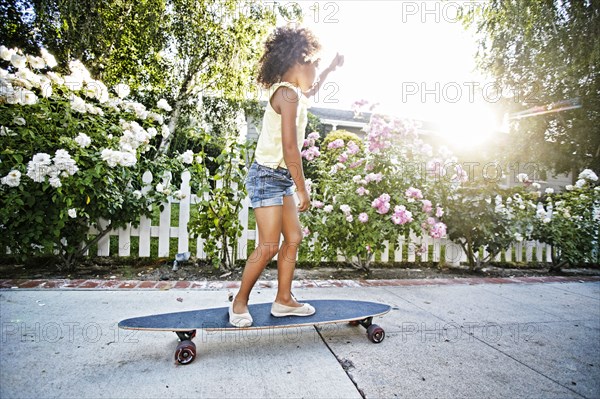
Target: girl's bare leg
[(286, 260), (269, 221)]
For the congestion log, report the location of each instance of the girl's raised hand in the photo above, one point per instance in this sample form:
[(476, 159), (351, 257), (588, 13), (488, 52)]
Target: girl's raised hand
[(337, 61)]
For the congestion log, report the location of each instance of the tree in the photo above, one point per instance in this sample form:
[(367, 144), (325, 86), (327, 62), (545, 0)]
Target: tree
[(178, 49), (543, 53)]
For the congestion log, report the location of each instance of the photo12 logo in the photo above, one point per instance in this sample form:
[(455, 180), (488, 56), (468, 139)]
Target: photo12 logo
[(440, 11), (66, 331), (471, 92)]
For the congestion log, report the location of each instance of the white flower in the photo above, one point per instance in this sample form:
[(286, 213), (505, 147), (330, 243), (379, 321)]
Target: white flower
[(122, 90), (160, 188), (36, 62), (12, 179), (46, 89), (49, 58), (56, 78), (152, 132), (546, 220), (6, 54), (163, 104), (153, 116), (78, 104), (18, 61), (19, 120), (536, 186), (179, 195), (198, 159), (63, 162), (137, 194), (83, 140), (55, 182), (588, 174), (570, 187), (580, 183), (114, 158), (346, 209), (137, 108), (522, 177), (549, 190), (72, 213), (187, 157), (165, 131), (77, 68), (26, 97), (42, 158), (518, 237), (4, 131), (96, 89), (328, 208), (73, 81)]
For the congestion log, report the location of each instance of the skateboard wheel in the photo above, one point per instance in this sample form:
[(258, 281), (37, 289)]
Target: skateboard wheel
[(354, 323), (375, 333), (185, 352)]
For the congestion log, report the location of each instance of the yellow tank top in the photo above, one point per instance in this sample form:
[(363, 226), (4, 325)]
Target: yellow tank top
[(269, 149)]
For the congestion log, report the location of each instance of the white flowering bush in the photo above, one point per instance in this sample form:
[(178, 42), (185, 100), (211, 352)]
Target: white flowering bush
[(570, 222), (72, 153), (368, 192), (485, 218)]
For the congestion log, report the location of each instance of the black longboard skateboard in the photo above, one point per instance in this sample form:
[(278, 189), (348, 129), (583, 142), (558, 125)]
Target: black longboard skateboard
[(185, 324)]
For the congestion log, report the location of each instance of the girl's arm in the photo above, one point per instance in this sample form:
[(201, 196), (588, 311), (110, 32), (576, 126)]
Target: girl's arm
[(338, 60), (285, 102)]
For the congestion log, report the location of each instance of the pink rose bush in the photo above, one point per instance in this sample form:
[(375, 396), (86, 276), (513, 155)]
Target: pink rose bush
[(367, 192)]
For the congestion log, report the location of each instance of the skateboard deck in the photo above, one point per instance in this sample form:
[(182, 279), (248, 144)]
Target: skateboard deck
[(185, 324)]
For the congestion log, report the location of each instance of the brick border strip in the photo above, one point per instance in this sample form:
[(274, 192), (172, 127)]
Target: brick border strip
[(94, 284)]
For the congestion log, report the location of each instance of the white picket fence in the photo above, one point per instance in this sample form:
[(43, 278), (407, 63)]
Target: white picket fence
[(405, 250)]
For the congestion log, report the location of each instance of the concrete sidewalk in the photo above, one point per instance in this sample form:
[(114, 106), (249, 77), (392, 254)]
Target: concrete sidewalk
[(447, 340)]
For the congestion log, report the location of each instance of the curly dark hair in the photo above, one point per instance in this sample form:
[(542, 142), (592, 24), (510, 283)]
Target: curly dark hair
[(285, 47)]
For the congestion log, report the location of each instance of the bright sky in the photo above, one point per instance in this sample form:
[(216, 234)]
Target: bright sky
[(412, 57)]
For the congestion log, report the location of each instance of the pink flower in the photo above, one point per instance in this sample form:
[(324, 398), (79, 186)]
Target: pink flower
[(401, 215), (438, 230), (376, 177), (343, 157), (460, 175), (363, 217), (427, 206), (353, 148), (317, 204), (439, 211), (362, 191), (339, 143), (430, 221), (382, 204), (314, 136), (307, 143), (305, 231), (311, 153), (414, 193)]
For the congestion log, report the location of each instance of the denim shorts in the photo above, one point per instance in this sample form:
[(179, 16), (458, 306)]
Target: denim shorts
[(267, 186)]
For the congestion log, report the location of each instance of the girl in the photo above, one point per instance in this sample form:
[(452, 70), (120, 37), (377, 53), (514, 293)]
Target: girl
[(288, 69)]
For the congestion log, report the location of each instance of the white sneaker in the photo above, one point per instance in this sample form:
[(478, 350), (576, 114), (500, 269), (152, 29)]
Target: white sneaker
[(278, 310)]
